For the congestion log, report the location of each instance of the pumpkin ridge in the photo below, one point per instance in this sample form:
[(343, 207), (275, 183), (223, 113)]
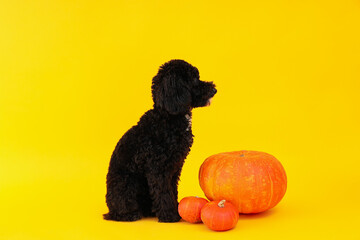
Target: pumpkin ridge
[(271, 185)]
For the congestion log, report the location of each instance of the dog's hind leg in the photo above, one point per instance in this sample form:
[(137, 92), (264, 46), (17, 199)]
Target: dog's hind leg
[(121, 197)]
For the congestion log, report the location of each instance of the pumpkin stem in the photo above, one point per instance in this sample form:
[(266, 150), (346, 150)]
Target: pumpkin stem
[(221, 203)]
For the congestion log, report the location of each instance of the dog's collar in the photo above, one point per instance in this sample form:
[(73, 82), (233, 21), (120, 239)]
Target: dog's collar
[(188, 118)]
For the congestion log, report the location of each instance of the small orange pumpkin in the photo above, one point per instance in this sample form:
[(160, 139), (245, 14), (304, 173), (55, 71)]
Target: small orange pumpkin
[(219, 215), (253, 181), (190, 208)]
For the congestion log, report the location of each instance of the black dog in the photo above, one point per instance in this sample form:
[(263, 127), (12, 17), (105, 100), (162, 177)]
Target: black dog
[(146, 164)]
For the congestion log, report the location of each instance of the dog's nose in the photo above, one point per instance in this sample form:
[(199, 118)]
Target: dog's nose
[(214, 91)]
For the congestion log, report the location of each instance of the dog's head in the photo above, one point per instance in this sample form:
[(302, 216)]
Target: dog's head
[(177, 88)]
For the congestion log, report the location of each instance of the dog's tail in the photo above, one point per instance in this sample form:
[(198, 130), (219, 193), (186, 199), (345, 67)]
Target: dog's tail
[(107, 216), (114, 216)]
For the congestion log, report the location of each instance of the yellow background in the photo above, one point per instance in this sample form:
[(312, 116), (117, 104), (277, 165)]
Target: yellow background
[(75, 75)]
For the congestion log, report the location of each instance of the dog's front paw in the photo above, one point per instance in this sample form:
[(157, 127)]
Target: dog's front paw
[(169, 217)]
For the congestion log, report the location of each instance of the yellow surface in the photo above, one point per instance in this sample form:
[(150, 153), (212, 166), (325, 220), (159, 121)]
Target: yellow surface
[(75, 75)]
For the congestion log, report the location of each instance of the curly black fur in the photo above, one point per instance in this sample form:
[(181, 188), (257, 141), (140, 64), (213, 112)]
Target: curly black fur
[(146, 164)]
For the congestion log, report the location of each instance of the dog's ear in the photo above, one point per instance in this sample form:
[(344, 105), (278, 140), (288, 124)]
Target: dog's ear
[(171, 93)]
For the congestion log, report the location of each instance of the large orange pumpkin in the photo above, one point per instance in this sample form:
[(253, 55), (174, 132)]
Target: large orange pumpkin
[(252, 181)]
